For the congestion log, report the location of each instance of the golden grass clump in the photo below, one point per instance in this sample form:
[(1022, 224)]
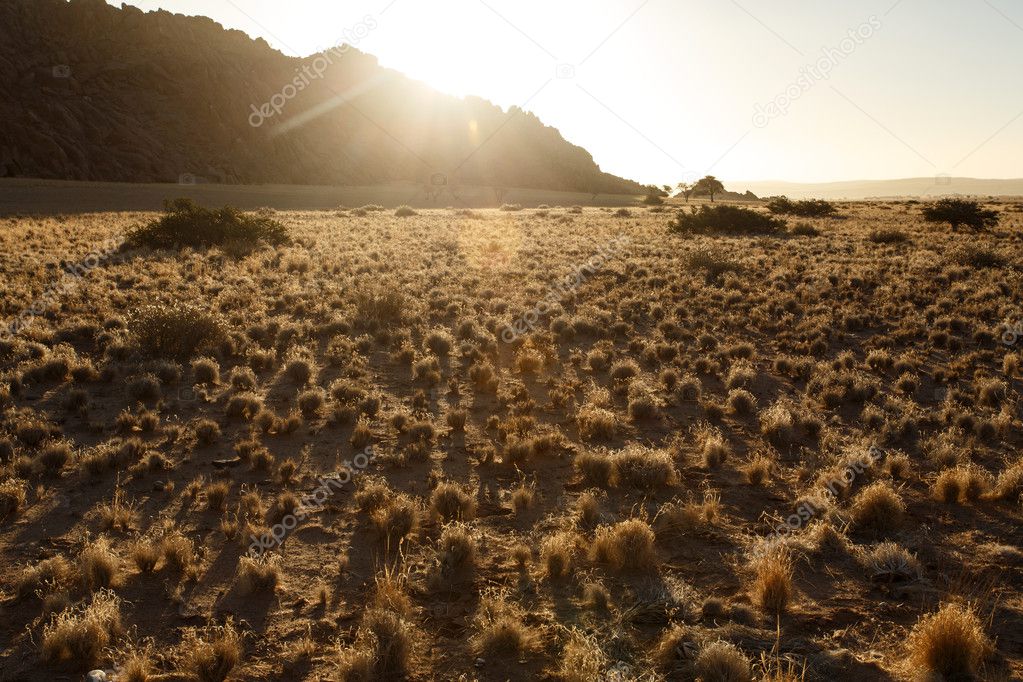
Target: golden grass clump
[(964, 483), (98, 565), (211, 653), (625, 546), (450, 502), (643, 468), (80, 634), (257, 575), (54, 572), (500, 630), (771, 589), (597, 423), (582, 659), (397, 519), (595, 466), (556, 554), (673, 648), (12, 497), (456, 548), (383, 649), (722, 662), (878, 508), (950, 643)]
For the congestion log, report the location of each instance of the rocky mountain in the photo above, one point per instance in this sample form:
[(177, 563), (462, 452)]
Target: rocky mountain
[(92, 92)]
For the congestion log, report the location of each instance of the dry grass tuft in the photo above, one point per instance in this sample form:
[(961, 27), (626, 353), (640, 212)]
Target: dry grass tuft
[(80, 634), (556, 553), (257, 575), (383, 649), (643, 468), (500, 630), (950, 643), (98, 565), (878, 508), (772, 583), (210, 654), (450, 502), (581, 659), (625, 546), (722, 662), (397, 519)]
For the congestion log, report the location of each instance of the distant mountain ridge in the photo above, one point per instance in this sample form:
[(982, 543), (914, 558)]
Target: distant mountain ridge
[(92, 92), (938, 186)]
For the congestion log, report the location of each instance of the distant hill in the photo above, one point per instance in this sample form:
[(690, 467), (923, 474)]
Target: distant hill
[(92, 92), (876, 189)]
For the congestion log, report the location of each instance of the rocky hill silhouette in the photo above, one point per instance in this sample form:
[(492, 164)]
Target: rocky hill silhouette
[(92, 92)]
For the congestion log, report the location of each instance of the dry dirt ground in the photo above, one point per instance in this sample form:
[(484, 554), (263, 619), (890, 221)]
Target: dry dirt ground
[(597, 495)]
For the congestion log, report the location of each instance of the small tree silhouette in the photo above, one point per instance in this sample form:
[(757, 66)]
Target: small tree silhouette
[(685, 189), (958, 212), (708, 185)]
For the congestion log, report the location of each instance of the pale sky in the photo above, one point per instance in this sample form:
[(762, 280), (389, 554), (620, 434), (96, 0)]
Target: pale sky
[(662, 90)]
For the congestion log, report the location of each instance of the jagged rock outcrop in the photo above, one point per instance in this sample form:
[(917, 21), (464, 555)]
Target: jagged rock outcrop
[(92, 92)]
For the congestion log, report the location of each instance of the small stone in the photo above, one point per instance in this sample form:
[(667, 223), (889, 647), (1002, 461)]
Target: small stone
[(96, 676)]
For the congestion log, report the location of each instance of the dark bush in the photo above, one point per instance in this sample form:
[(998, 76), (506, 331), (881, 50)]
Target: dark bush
[(958, 212), (185, 223), (728, 220), (976, 256), (810, 208), (177, 330), (883, 235)]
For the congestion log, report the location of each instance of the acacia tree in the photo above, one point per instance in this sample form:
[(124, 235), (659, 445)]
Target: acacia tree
[(958, 212), (708, 185), (685, 189)]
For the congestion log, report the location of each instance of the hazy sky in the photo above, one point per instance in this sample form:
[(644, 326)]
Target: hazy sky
[(660, 90)]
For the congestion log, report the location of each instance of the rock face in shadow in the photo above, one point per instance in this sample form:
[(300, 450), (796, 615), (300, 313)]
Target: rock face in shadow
[(92, 92)]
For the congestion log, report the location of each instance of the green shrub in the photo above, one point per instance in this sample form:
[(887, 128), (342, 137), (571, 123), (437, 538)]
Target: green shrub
[(178, 330), (511, 207), (405, 212), (185, 223), (728, 220), (958, 212), (811, 208)]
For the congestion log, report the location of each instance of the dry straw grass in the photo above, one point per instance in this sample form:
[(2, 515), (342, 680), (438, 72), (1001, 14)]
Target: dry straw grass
[(664, 415)]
